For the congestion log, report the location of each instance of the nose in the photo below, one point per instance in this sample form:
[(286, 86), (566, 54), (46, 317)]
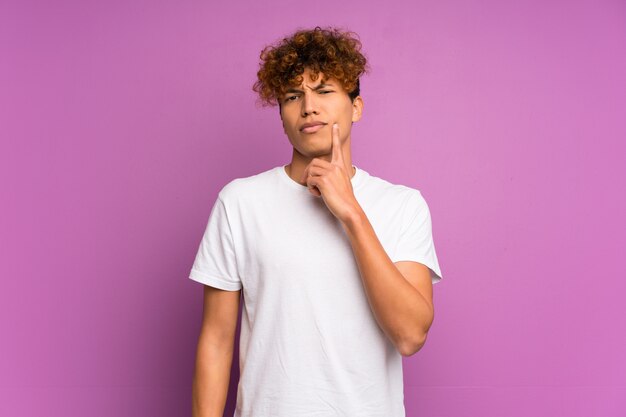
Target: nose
[(309, 105)]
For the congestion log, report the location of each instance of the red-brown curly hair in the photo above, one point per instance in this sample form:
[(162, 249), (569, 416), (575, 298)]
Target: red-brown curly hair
[(333, 52)]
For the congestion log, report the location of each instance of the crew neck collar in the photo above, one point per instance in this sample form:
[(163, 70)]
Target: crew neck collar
[(357, 179)]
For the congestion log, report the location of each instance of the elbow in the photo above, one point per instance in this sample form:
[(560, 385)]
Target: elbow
[(411, 347), (411, 344)]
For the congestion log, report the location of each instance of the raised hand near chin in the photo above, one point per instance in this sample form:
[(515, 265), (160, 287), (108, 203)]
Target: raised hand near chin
[(331, 181)]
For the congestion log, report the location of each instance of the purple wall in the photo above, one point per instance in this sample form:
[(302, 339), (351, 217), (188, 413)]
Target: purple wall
[(120, 122)]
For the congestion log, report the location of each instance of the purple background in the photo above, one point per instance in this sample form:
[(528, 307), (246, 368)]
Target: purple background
[(120, 121)]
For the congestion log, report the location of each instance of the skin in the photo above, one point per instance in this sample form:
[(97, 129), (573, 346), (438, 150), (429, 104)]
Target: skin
[(400, 294), (329, 105)]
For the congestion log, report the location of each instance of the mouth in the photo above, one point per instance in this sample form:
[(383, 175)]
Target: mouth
[(313, 129)]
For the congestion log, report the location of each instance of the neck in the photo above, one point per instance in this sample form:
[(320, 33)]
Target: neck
[(299, 162)]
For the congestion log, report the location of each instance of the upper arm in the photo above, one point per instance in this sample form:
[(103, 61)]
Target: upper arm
[(215, 266), (215, 263), (220, 313), (416, 243)]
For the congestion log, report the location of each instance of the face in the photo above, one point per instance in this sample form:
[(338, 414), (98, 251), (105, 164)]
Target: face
[(323, 101)]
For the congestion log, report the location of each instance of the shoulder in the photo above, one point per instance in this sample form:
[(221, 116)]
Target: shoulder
[(245, 187), (395, 193)]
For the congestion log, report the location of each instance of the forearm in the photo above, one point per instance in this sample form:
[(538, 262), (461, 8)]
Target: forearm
[(211, 377), (399, 308)]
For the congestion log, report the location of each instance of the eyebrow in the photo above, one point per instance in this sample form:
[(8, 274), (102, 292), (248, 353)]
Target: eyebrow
[(322, 85)]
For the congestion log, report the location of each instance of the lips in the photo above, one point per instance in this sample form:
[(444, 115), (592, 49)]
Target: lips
[(312, 127)]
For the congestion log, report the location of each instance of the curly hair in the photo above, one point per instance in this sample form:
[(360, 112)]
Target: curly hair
[(333, 52)]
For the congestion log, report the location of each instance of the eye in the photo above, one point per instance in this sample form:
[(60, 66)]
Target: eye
[(321, 92)]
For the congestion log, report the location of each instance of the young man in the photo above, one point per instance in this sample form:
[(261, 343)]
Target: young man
[(336, 265)]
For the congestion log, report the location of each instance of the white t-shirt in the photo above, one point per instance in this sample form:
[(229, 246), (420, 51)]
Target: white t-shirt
[(309, 343)]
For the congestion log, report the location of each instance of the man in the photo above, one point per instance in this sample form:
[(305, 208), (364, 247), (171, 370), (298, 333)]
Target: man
[(336, 265)]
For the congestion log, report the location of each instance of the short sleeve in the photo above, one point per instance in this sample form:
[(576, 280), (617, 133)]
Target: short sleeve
[(415, 242), (215, 263)]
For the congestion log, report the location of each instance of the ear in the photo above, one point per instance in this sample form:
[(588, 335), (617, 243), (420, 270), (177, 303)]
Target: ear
[(357, 109)]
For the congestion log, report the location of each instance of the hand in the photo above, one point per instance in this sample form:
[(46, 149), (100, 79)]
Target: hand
[(331, 180)]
